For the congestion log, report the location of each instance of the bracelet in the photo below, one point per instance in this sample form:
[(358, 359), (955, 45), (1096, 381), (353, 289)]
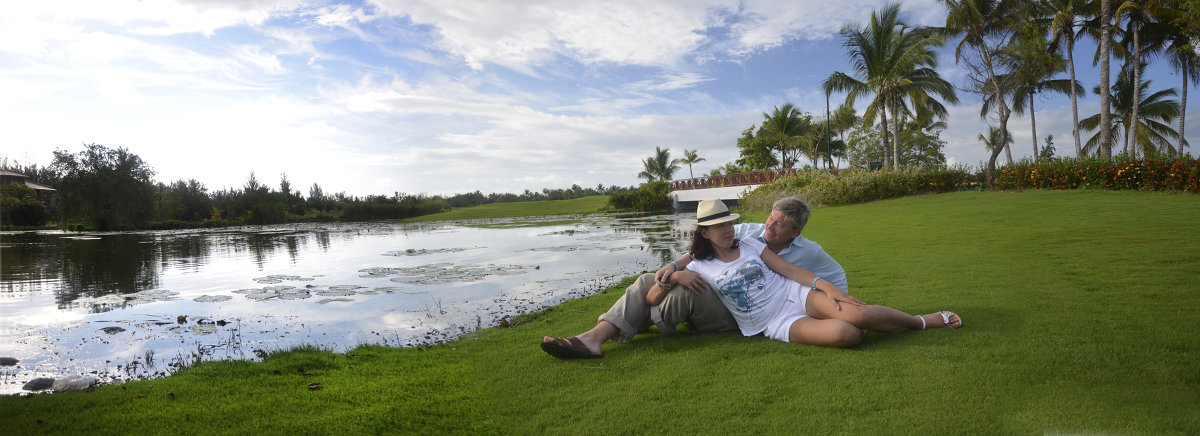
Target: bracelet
[(676, 265), (814, 285)]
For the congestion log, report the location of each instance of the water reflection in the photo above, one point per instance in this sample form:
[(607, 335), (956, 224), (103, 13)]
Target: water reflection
[(74, 303)]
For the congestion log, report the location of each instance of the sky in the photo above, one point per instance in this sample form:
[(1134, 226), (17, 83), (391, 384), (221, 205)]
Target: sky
[(441, 97)]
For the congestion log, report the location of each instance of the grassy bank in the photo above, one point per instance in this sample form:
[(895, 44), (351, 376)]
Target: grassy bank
[(598, 203), (1079, 314)]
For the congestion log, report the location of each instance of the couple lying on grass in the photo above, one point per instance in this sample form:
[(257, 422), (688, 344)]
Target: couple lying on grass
[(754, 277)]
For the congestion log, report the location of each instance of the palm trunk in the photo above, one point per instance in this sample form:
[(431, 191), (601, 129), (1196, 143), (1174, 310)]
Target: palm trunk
[(842, 135), (1182, 110), (883, 133), (895, 138), (1131, 140), (1105, 146), (1033, 123), (1002, 108), (1074, 100)]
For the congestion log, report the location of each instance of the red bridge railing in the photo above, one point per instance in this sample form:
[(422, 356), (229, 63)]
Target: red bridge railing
[(736, 179)]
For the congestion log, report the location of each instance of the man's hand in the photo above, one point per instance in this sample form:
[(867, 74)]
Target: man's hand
[(692, 281)]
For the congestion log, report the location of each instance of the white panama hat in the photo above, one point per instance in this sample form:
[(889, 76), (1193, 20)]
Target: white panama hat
[(711, 212)]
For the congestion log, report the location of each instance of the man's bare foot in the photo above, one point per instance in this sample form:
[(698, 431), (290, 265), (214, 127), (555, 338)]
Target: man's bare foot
[(941, 319)]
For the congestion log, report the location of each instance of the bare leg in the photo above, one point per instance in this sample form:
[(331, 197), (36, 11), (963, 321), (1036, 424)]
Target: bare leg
[(602, 332), (825, 332), (871, 317)]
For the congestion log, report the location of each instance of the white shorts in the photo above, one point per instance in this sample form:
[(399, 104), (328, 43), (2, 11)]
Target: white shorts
[(780, 327)]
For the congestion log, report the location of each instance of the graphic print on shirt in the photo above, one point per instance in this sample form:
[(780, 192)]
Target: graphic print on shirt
[(733, 283)]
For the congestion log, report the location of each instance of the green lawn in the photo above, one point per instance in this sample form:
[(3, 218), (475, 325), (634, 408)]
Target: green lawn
[(1079, 317), (593, 204)]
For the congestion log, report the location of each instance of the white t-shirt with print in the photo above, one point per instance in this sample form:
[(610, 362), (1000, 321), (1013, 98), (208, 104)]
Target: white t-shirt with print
[(749, 289)]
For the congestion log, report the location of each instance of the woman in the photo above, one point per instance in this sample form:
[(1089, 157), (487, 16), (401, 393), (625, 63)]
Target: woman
[(766, 294)]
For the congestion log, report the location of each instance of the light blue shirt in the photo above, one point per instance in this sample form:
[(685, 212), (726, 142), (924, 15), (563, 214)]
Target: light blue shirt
[(802, 253)]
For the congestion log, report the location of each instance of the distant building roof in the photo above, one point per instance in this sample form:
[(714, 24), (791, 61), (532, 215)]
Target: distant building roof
[(39, 186), (21, 178)]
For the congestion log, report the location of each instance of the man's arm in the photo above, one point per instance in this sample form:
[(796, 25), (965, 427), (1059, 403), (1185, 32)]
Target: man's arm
[(669, 275), (806, 277)]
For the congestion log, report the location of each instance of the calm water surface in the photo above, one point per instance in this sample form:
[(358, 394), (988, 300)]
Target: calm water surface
[(121, 306)]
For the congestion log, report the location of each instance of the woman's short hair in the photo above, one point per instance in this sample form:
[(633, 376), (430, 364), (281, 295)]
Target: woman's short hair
[(702, 248), (795, 209)]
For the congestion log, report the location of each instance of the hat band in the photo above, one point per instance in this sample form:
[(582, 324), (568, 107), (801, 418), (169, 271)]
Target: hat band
[(714, 216)]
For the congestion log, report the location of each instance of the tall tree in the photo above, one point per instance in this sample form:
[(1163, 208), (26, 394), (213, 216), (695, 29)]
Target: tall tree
[(896, 66), (108, 188), (691, 157), (788, 131), (1104, 52), (1032, 69), (1137, 14), (1066, 16), (1181, 35), (985, 27), (844, 119), (660, 166), (753, 153), (1153, 133)]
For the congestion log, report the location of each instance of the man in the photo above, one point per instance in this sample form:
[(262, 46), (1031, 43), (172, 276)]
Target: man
[(692, 301)]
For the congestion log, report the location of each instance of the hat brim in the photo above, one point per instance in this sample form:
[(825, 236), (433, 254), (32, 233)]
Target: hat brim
[(714, 221)]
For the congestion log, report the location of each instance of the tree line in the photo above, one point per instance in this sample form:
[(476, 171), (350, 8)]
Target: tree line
[(112, 189), (1013, 51)]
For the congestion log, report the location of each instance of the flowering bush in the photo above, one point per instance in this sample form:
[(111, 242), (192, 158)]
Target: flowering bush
[(1148, 174), (824, 188)]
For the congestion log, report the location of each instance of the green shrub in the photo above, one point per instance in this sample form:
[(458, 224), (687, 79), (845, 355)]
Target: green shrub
[(361, 211), (28, 212), (651, 196), (214, 222), (170, 225), (851, 186), (267, 213)]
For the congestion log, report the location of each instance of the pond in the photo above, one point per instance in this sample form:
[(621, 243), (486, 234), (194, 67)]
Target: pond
[(130, 305)]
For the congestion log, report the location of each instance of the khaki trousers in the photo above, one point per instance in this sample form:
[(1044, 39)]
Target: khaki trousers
[(630, 313)]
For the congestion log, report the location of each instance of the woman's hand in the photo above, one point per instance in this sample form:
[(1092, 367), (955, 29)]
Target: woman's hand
[(663, 276), (839, 296)]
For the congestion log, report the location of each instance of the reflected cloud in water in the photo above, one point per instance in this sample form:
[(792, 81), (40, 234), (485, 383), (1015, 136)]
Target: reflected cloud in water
[(225, 293)]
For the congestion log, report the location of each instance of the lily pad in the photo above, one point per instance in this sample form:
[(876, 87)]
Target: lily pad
[(212, 298)]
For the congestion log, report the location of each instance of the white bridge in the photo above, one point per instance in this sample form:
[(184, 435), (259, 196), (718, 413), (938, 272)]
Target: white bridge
[(689, 198)]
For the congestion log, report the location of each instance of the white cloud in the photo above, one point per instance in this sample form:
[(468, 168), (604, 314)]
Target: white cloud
[(525, 35)]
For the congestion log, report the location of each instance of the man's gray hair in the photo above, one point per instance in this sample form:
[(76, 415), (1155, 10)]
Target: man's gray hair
[(795, 209)]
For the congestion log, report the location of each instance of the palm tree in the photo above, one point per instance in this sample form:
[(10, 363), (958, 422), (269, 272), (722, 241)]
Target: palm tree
[(1181, 35), (1067, 15), (1139, 15), (659, 167), (789, 131), (844, 119), (985, 25), (691, 157), (892, 63), (1031, 68), (995, 138), (1153, 134)]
